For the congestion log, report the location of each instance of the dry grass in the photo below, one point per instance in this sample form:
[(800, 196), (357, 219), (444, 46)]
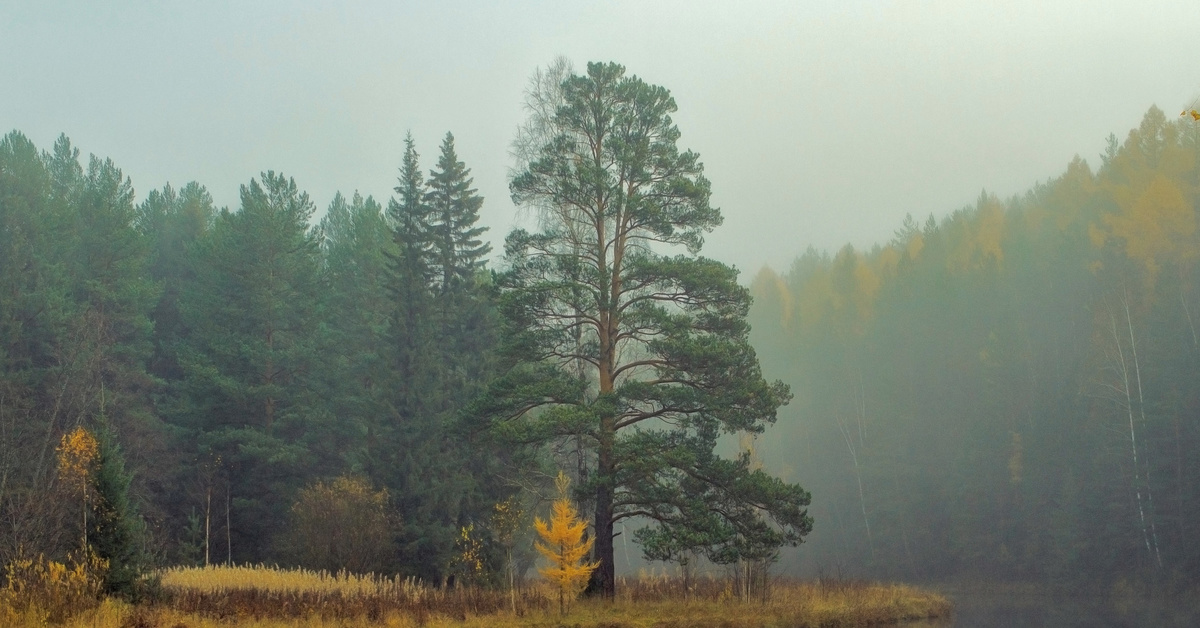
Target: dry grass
[(272, 598), (260, 592)]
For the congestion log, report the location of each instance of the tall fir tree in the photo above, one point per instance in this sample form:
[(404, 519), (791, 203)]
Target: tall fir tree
[(454, 205)]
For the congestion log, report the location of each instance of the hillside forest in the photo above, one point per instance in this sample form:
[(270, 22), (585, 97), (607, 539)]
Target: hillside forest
[(1007, 392)]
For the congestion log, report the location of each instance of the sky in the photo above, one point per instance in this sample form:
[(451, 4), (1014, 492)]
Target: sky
[(819, 123)]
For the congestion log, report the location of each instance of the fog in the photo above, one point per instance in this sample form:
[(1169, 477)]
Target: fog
[(969, 232), (819, 123)]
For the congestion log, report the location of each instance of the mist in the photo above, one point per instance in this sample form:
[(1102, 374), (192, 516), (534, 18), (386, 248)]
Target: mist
[(819, 124), (268, 250)]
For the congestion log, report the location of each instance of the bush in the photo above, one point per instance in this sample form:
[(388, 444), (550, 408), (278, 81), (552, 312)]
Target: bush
[(342, 525), (38, 591)]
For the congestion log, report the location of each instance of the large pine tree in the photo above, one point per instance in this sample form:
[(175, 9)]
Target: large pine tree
[(630, 345)]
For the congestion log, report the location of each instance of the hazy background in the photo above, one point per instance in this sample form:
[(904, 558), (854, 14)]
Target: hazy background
[(788, 104)]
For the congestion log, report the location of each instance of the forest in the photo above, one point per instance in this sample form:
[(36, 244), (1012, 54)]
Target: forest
[(182, 384), (1009, 392)]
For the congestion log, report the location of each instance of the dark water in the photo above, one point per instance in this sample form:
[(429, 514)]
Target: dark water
[(982, 610)]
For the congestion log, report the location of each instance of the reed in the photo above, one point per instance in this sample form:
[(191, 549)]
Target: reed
[(263, 597), (263, 592)]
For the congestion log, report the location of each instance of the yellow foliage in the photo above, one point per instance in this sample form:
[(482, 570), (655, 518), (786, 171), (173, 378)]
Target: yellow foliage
[(506, 517), (42, 590), (77, 454), (1155, 225), (468, 561), (564, 546), (866, 286), (1097, 236), (991, 231), (770, 290), (889, 260)]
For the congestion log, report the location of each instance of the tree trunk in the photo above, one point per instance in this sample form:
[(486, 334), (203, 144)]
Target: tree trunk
[(604, 576)]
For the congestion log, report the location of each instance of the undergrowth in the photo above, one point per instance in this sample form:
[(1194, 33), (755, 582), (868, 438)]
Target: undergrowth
[(261, 597)]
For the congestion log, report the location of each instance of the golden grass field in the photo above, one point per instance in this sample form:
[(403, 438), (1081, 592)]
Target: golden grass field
[(260, 597)]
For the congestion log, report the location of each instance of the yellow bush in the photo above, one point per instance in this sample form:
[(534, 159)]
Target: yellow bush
[(42, 590)]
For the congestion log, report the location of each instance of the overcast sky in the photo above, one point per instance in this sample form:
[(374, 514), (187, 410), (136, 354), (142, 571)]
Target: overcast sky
[(819, 123)]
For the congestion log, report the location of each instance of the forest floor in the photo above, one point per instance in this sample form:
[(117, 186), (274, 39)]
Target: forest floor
[(271, 598)]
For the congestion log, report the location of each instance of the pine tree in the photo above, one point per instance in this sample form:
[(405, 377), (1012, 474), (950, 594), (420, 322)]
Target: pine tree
[(249, 359), (640, 353), (357, 245), (172, 222)]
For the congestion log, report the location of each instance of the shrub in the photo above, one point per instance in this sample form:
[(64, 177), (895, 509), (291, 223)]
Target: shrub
[(342, 525), (37, 590)]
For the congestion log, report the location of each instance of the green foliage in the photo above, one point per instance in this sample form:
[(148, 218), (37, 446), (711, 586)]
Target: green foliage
[(115, 530), (356, 379), (454, 209), (247, 392), (639, 353)]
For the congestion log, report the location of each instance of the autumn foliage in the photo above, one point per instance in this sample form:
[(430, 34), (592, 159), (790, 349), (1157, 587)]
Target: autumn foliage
[(37, 590), (564, 546), (78, 453)]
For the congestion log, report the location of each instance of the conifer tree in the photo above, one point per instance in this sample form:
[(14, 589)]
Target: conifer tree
[(410, 276), (439, 343), (356, 243), (454, 211), (622, 341), (414, 460), (115, 530), (564, 546), (464, 329), (172, 221), (248, 394)]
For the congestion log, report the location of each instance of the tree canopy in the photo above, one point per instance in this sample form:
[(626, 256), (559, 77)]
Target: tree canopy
[(620, 339)]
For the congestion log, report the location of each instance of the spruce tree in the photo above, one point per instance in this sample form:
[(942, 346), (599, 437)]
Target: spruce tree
[(454, 211), (115, 531), (434, 284), (410, 266)]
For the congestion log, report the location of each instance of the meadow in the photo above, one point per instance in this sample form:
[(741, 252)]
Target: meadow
[(263, 597)]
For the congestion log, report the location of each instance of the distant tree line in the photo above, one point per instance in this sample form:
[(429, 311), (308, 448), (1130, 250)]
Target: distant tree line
[(1012, 391)]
